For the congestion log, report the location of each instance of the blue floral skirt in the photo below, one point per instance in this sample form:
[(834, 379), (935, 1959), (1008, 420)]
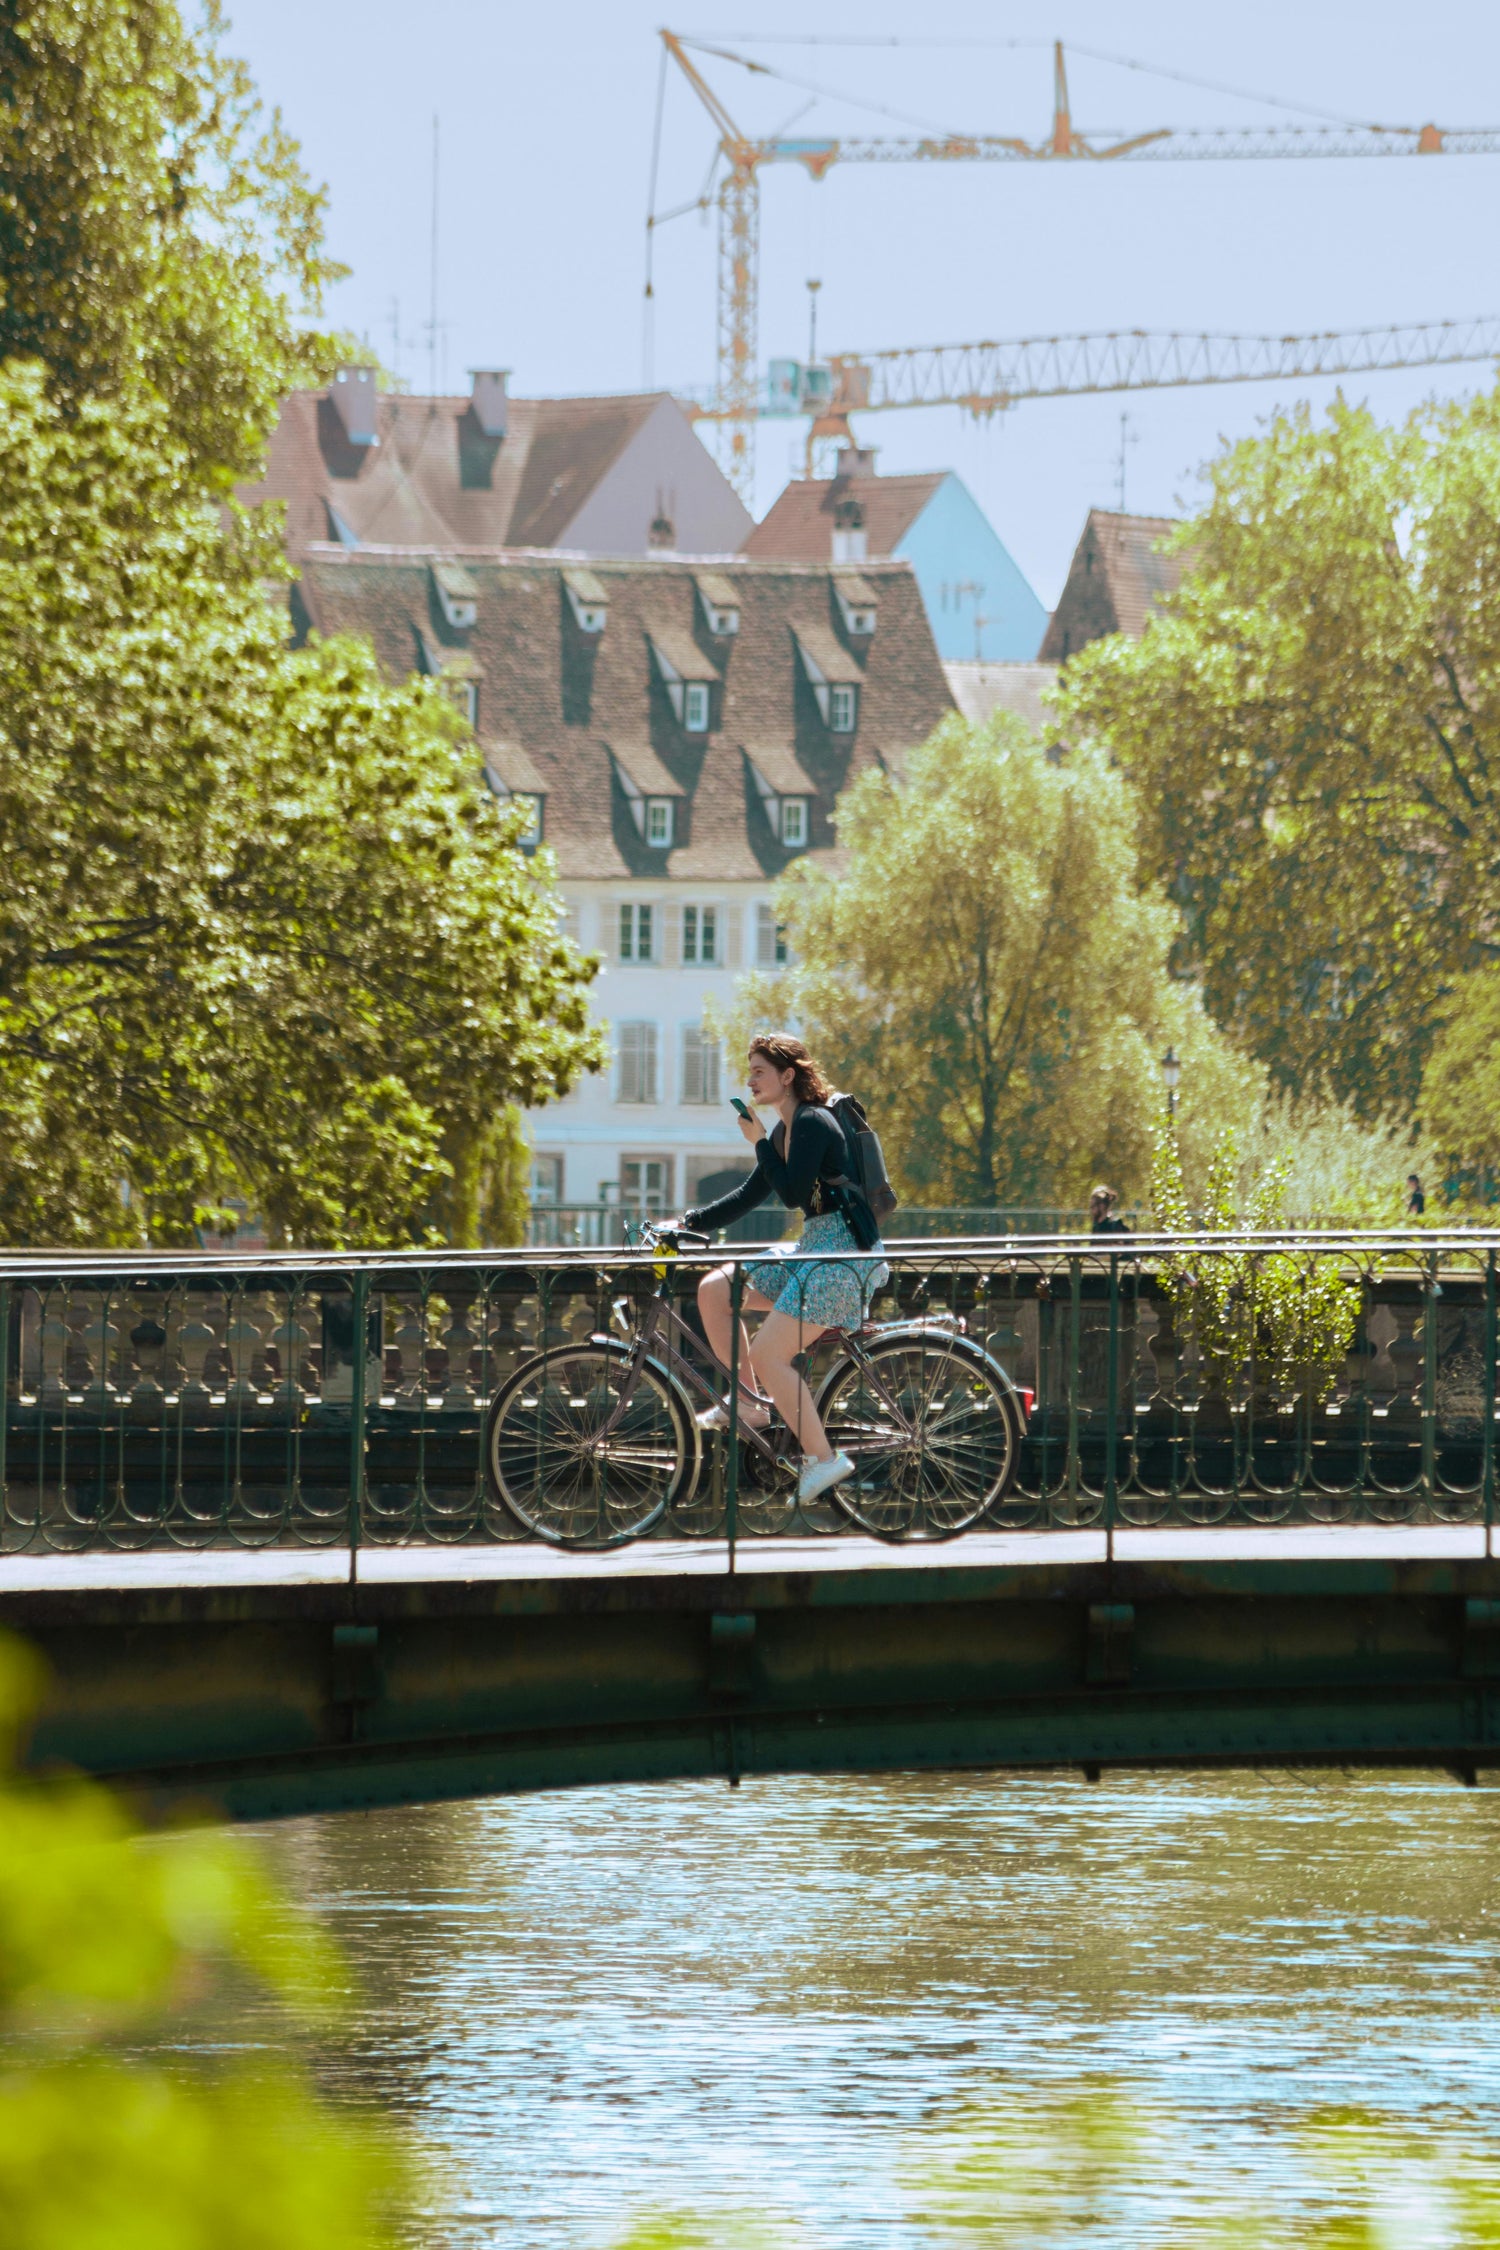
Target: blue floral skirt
[(825, 1292)]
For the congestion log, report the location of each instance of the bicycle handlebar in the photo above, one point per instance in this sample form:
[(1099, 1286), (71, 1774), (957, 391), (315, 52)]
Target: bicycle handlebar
[(672, 1238)]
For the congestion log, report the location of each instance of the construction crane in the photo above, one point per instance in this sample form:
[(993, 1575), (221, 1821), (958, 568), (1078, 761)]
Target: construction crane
[(736, 405), (987, 378)]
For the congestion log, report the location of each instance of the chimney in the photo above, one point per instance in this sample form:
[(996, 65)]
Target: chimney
[(489, 401), (853, 461), (353, 394)]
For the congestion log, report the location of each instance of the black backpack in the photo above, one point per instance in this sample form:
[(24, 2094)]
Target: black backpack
[(864, 1163)]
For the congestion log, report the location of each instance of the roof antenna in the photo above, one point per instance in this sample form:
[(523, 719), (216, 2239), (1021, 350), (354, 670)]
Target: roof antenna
[(1128, 437), (432, 325)]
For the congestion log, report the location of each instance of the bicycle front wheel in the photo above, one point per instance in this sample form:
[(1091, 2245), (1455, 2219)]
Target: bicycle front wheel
[(933, 1434), (572, 1464)]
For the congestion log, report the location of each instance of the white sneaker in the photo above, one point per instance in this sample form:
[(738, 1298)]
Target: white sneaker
[(717, 1418), (821, 1476)]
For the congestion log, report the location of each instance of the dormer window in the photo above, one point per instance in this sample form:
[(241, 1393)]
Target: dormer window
[(464, 695), (588, 600), (531, 834), (660, 822), (856, 600), (696, 703), (794, 822), (721, 602), (834, 676), (514, 779), (683, 671), (457, 594)]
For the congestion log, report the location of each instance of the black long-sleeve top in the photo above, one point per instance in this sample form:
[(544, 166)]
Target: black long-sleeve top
[(802, 1177)]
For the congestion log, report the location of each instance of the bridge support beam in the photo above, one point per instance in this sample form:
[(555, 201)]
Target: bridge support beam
[(270, 1700)]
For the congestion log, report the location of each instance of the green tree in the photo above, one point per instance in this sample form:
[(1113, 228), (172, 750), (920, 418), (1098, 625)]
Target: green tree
[(1461, 1090), (1313, 721), (1279, 1320), (987, 973), (104, 1935), (263, 930), (157, 232)]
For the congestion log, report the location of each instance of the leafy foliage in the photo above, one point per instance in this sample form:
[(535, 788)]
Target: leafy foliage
[(157, 233), (1461, 1091), (263, 930), (987, 974), (1282, 1321), (103, 1932), (1314, 723)]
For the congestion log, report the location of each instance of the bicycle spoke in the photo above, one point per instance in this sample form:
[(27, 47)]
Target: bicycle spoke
[(933, 1451), (579, 1462)]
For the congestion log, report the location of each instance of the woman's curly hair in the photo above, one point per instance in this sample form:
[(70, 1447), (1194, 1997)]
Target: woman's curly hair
[(784, 1052)]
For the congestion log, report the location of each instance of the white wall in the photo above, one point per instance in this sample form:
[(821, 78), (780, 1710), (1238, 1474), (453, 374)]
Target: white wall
[(592, 1130)]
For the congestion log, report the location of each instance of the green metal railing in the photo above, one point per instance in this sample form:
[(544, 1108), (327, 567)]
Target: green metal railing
[(161, 1401)]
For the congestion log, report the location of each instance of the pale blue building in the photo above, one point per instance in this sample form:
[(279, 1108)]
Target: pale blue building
[(980, 606)]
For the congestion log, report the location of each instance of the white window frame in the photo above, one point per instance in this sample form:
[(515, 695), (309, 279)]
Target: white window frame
[(464, 695), (660, 829), (548, 1173), (796, 823), (843, 707), (702, 937), (644, 1196), (702, 1068), (637, 931), (637, 1064), (770, 939), (697, 706)]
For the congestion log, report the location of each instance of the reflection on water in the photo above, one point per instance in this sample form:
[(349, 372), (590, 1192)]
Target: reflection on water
[(777, 1999)]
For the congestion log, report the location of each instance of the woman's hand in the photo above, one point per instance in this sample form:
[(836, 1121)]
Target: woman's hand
[(751, 1127)]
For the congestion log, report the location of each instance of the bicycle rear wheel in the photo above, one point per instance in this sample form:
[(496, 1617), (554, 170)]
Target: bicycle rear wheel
[(934, 1443), (568, 1478)]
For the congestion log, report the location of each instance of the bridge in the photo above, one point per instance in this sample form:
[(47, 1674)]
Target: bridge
[(248, 1516)]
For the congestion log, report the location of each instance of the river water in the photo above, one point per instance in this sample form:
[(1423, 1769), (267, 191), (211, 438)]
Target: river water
[(829, 2011)]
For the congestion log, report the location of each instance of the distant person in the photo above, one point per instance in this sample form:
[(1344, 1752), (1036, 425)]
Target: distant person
[(1416, 1201), (1102, 1215)]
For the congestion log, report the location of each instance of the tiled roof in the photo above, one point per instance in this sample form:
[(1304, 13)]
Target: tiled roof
[(575, 703), (799, 527), (980, 689), (434, 479), (1115, 576)]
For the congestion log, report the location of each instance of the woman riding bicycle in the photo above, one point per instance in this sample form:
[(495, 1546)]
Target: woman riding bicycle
[(803, 1161)]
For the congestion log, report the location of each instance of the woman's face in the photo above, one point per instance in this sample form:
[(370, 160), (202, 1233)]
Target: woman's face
[(767, 1084)]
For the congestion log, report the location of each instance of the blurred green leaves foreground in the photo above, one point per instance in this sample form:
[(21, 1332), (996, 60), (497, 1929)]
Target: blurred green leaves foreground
[(104, 1934), (1086, 2167)]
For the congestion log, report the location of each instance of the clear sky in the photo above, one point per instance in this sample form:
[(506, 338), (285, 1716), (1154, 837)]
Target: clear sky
[(546, 125)]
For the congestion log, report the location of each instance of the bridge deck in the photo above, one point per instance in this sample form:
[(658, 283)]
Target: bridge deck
[(527, 1563)]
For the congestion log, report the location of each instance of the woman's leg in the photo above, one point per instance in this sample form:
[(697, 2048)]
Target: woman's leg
[(716, 1307), (778, 1339)]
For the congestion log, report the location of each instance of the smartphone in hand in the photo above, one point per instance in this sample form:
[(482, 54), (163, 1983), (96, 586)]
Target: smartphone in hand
[(736, 1103)]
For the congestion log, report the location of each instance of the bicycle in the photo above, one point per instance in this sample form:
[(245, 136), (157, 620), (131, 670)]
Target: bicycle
[(589, 1445)]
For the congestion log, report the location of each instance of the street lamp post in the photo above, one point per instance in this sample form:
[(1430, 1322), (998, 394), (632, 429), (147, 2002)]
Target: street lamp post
[(1171, 1071)]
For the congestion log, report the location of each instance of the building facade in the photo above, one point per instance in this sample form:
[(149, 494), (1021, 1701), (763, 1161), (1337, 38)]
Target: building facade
[(979, 604), (597, 476), (680, 733)]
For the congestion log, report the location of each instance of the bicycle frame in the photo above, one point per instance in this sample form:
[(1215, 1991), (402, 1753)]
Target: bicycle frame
[(661, 1316)]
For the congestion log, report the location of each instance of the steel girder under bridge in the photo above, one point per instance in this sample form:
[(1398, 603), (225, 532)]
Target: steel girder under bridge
[(438, 1674)]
